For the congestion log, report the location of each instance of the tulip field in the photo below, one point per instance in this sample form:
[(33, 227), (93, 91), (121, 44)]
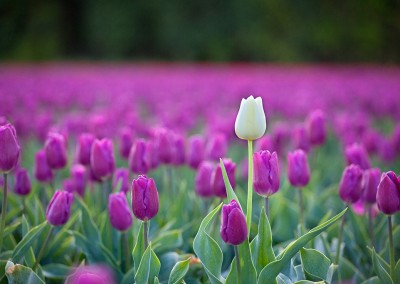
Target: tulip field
[(199, 173)]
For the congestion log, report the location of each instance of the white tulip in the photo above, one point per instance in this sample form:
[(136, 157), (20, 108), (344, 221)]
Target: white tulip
[(250, 122)]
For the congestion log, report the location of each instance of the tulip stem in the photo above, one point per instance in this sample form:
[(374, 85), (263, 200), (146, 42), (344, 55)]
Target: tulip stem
[(3, 211), (145, 234), (235, 248), (44, 246), (301, 214), (125, 249), (23, 205), (249, 186), (340, 239), (266, 200), (392, 263), (371, 226)]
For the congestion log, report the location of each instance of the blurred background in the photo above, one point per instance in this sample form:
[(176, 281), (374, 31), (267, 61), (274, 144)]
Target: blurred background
[(254, 30)]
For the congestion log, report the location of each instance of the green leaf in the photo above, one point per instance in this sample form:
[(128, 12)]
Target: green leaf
[(397, 272), (315, 264), (308, 282), (56, 270), (11, 228), (167, 241), (149, 267), (129, 276), (229, 190), (261, 246), (380, 271), (19, 274), (139, 248), (179, 271), (89, 227), (373, 280), (232, 276), (272, 270), (208, 250), (27, 241)]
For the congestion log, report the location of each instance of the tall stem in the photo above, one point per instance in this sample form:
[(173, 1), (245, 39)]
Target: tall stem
[(371, 226), (237, 262), (266, 200), (145, 233), (301, 208), (44, 245), (23, 205), (125, 249), (392, 263), (249, 185), (3, 211), (340, 239)]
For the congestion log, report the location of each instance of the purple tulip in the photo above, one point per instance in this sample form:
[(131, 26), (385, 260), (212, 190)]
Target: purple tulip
[(388, 194), (217, 179), (42, 170), (233, 224), (102, 158), (119, 212), (163, 138), (371, 140), (316, 127), (178, 147), (56, 151), (10, 148), (350, 187), (203, 179), (298, 169), (91, 275), (195, 151), (144, 198), (152, 154), (356, 154), (138, 162), (84, 148), (59, 208), (126, 142), (121, 177), (266, 178), (265, 143), (68, 185), (78, 176), (22, 182), (217, 147), (370, 182), (301, 139)]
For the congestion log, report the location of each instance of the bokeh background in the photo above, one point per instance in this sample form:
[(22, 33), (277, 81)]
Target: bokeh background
[(209, 30)]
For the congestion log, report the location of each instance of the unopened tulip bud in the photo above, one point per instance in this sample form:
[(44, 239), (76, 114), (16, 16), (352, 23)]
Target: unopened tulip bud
[(121, 178), (179, 151), (196, 151), (250, 122), (388, 195), (266, 178), (102, 158), (301, 139), (370, 182), (316, 127), (84, 148), (356, 154), (138, 162), (42, 170), (22, 182), (163, 140), (68, 185), (144, 198), (218, 179), (59, 208), (152, 154), (233, 224), (78, 175), (56, 152), (119, 212), (10, 148), (217, 147), (203, 179), (126, 142), (350, 187), (298, 169)]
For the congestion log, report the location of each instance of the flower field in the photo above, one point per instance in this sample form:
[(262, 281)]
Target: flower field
[(199, 173)]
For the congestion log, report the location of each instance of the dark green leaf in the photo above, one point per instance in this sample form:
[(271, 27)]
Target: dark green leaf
[(315, 264), (56, 270), (179, 271), (19, 274), (380, 271), (139, 248), (149, 267)]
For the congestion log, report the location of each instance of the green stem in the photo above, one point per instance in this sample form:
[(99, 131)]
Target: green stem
[(237, 262), (249, 185), (371, 226), (42, 249), (3, 211), (145, 233), (301, 209), (23, 205), (266, 200), (340, 239), (125, 249), (392, 263)]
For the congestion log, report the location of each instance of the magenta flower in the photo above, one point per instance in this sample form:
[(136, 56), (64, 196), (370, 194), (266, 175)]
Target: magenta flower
[(121, 177), (138, 162), (126, 141), (42, 170), (119, 212), (22, 182), (298, 169), (370, 182), (316, 127), (356, 154), (196, 151), (144, 198), (217, 147), (217, 179), (84, 148), (56, 151), (102, 158), (388, 194), (233, 224), (350, 187), (10, 148), (59, 208), (266, 178), (203, 184), (78, 176)]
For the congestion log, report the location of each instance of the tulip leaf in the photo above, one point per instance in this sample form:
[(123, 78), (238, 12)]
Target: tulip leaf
[(208, 250), (167, 241), (127, 279), (56, 271), (27, 241), (380, 271), (30, 255), (397, 272), (315, 264), (19, 274), (271, 271), (261, 246), (179, 271), (308, 282), (232, 277), (139, 248), (11, 228), (229, 190), (149, 267), (89, 228), (372, 280)]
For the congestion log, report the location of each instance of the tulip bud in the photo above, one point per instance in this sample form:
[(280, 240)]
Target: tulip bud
[(10, 148), (371, 140), (59, 208), (266, 178), (301, 139), (250, 122), (356, 154), (68, 185), (56, 152), (22, 182), (126, 142), (195, 151), (316, 127), (144, 198), (78, 176), (233, 224), (119, 212), (121, 177), (178, 150), (42, 170), (91, 275), (102, 158), (84, 148), (137, 157), (203, 179), (217, 179), (217, 147), (164, 145), (388, 194), (370, 182), (350, 187), (265, 143), (297, 167), (152, 154)]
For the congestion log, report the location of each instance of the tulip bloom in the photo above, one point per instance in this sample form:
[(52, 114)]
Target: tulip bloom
[(56, 151), (316, 127), (144, 198), (78, 176), (137, 157), (10, 148), (233, 224), (370, 182), (178, 150), (152, 154), (388, 194), (22, 182), (121, 177), (119, 212), (91, 275), (163, 140), (266, 178), (126, 142), (196, 151), (59, 208), (350, 187), (84, 148), (102, 158), (217, 179), (298, 170), (217, 147), (42, 170), (203, 179), (356, 154), (301, 139), (250, 122)]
